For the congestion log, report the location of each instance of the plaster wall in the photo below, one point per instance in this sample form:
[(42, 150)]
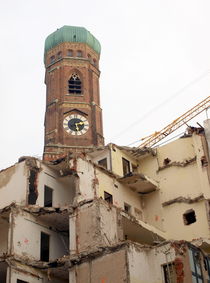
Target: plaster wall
[(175, 181), (121, 193), (174, 223), (141, 260), (13, 184), (96, 225), (26, 241), (152, 209), (63, 187), (87, 180), (101, 269)]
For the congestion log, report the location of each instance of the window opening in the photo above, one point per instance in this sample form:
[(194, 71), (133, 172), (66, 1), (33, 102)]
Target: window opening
[(59, 55), (169, 273), (44, 248), (189, 217), (195, 264), (33, 192), (126, 166), (52, 59), (70, 53), (79, 53), (21, 281), (103, 162), (108, 197), (48, 195), (75, 85), (127, 208)]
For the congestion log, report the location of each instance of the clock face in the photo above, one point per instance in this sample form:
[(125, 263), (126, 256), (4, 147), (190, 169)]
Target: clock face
[(76, 124)]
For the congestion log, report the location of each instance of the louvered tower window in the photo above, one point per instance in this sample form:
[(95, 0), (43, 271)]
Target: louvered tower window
[(75, 84)]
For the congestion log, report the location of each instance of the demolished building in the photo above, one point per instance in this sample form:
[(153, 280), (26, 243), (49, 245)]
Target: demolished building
[(72, 219), (89, 213)]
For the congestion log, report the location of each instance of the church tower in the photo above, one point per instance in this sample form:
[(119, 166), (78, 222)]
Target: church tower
[(73, 117)]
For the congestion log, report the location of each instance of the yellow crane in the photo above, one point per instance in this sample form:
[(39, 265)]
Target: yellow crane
[(151, 140)]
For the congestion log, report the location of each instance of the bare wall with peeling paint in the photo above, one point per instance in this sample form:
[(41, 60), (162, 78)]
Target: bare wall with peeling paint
[(13, 184)]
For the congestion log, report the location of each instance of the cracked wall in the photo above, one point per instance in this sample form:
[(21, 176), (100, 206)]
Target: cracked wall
[(100, 270), (13, 185), (180, 182), (96, 224)]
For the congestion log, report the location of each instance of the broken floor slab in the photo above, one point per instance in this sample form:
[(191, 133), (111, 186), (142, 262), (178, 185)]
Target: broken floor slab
[(139, 182)]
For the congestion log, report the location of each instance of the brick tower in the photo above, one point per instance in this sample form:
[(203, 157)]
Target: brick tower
[(73, 117)]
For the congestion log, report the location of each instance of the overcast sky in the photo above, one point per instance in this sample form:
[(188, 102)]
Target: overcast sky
[(155, 65)]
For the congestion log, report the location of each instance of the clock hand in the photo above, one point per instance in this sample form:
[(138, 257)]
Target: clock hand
[(77, 128), (79, 123)]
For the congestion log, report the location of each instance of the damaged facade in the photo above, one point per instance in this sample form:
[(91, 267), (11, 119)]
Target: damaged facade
[(89, 213), (88, 216)]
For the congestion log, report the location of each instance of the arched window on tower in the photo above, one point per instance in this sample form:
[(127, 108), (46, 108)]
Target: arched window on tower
[(70, 52), (75, 84)]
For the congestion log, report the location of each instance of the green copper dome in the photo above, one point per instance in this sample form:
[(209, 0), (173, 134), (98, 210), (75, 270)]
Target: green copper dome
[(71, 34)]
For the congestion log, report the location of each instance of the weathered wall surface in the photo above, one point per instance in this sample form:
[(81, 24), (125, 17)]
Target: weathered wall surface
[(183, 179), (63, 187), (145, 264), (152, 209), (31, 275), (87, 180), (96, 225), (26, 237), (87, 227), (121, 193), (175, 226), (109, 268), (13, 184)]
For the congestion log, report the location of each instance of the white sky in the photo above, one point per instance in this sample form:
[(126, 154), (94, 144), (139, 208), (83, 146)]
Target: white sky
[(151, 50)]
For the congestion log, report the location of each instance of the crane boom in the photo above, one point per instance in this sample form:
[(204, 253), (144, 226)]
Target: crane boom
[(177, 123)]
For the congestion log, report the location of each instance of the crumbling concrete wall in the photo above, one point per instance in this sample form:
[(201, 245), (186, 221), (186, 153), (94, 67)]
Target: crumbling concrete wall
[(175, 224), (96, 225), (87, 184), (108, 268), (30, 274), (27, 235), (145, 264), (13, 184)]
